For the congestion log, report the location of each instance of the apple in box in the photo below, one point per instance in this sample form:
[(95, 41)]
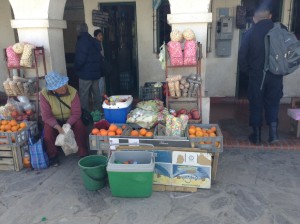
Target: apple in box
[(29, 112), (181, 111), (195, 114)]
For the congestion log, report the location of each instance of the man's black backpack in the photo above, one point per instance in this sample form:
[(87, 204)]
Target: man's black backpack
[(282, 51)]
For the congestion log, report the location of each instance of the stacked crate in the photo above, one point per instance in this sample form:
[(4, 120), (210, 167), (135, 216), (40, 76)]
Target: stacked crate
[(12, 147)]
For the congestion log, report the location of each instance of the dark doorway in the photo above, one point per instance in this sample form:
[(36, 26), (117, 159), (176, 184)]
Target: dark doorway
[(120, 48), (295, 20), (251, 5)]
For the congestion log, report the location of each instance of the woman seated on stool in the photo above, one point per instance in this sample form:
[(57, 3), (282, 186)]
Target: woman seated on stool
[(55, 114)]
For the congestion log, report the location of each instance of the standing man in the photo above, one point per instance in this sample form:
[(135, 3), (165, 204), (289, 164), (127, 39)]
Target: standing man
[(88, 67), (251, 60), (98, 35)]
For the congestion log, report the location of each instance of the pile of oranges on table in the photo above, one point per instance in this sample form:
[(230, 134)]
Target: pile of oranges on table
[(113, 130), (141, 133), (198, 132), (195, 131), (11, 126)]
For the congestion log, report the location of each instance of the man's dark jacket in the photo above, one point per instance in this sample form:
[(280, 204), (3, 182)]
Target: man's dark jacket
[(87, 58), (252, 49)]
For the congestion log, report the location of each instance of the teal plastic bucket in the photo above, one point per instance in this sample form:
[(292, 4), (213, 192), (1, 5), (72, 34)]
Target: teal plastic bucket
[(93, 171)]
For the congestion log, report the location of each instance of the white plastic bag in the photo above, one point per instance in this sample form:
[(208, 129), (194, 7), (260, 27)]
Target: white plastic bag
[(67, 140)]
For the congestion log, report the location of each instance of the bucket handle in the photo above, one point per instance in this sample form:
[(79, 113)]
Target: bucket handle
[(94, 179)]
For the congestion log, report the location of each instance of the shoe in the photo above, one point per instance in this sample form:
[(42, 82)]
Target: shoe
[(255, 137), (273, 133), (54, 161)]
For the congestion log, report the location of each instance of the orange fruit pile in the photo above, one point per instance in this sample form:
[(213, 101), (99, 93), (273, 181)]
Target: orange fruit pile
[(113, 130), (141, 133), (198, 132), (11, 126), (195, 131)]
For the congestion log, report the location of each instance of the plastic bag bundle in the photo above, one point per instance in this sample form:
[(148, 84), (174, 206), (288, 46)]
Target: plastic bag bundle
[(18, 48), (176, 36), (27, 56), (188, 34), (13, 59), (67, 140)]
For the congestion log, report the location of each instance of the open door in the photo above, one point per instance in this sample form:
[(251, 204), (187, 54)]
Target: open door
[(120, 48)]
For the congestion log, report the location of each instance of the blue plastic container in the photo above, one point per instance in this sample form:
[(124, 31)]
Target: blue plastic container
[(117, 113)]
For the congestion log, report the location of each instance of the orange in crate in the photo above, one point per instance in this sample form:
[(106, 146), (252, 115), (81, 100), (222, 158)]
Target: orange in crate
[(95, 131), (119, 131), (113, 127), (134, 133), (143, 132), (149, 134)]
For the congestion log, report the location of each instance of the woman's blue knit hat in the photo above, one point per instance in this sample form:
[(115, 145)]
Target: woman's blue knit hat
[(54, 80)]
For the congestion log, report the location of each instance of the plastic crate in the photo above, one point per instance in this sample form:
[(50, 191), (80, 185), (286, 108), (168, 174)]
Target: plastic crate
[(19, 137), (211, 144), (149, 92), (98, 142)]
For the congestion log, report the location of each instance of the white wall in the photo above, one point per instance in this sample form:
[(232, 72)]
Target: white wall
[(7, 37), (221, 72), (291, 82), (149, 66)]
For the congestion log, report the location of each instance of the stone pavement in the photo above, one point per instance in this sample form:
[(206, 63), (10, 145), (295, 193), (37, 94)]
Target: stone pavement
[(256, 187)]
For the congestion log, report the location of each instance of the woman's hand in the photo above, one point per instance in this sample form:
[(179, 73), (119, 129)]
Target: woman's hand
[(59, 129)]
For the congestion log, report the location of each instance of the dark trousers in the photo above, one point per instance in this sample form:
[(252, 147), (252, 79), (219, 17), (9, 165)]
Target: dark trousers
[(265, 100), (51, 133), (85, 88)]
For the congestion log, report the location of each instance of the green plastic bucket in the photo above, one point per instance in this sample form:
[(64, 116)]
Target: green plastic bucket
[(93, 171)]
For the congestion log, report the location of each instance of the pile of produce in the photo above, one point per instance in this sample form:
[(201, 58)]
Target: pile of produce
[(18, 110), (193, 114), (180, 86)]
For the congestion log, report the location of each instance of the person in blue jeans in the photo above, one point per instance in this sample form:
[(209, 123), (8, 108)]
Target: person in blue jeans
[(88, 67), (251, 60)]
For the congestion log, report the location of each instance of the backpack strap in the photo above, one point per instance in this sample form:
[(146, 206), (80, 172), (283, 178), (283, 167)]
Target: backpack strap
[(267, 63), (267, 53)]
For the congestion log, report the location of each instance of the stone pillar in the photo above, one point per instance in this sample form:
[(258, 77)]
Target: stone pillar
[(194, 14), (41, 24)]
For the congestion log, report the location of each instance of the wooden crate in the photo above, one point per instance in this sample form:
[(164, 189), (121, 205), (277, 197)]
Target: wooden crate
[(11, 157), (160, 187)]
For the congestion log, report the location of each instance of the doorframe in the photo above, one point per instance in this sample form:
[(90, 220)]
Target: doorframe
[(135, 33)]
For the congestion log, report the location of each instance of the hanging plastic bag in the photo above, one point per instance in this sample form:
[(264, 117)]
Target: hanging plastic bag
[(67, 140), (38, 155)]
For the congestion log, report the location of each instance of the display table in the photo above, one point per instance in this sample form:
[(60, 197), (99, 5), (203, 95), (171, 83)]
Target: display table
[(177, 160)]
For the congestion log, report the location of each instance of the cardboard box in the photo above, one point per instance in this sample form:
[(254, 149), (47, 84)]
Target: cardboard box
[(187, 169)]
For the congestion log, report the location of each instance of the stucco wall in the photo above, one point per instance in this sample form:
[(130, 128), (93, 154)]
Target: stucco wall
[(221, 72), (291, 82), (149, 66), (7, 37)]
